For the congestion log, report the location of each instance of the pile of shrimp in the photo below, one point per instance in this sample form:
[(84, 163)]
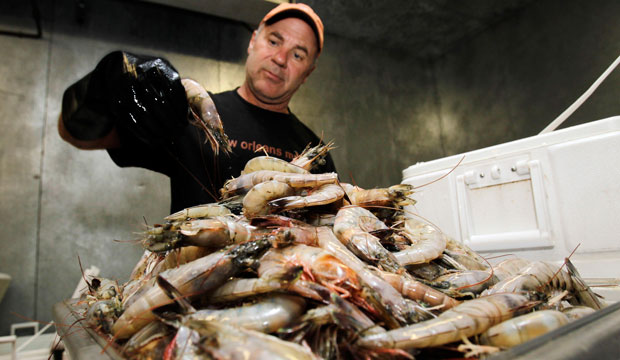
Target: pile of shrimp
[(291, 264)]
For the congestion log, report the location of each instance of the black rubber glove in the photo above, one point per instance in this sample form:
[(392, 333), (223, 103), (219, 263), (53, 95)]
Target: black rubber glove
[(143, 94)]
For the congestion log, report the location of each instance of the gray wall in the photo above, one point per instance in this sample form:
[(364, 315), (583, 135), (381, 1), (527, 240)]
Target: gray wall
[(385, 111)]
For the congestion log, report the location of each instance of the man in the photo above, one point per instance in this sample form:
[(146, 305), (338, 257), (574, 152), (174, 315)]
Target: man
[(110, 109)]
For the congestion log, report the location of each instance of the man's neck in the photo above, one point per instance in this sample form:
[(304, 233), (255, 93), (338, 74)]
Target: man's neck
[(247, 95)]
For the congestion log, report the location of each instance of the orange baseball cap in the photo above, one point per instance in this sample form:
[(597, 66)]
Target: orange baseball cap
[(301, 11)]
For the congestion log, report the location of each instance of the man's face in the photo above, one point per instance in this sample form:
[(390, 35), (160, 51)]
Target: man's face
[(280, 58)]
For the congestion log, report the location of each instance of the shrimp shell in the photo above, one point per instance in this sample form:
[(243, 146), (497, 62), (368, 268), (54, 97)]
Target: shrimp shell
[(257, 201), (416, 290), (470, 318), (538, 277), (267, 315), (198, 212), (428, 243), (460, 283), (396, 195), (271, 163), (205, 115), (230, 342), (399, 309), (352, 227), (523, 328), (312, 157), (325, 194), (244, 183)]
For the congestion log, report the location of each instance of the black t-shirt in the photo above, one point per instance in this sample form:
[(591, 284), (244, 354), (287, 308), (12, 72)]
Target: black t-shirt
[(196, 174)]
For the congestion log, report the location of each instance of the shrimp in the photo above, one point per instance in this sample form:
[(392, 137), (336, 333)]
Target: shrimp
[(534, 279), (196, 277), (325, 194), (257, 200), (199, 212), (271, 163), (583, 292), (243, 183), (267, 315), (330, 330), (418, 291), (401, 310), (205, 115), (509, 267), (462, 283), (221, 341), (523, 328), (312, 157), (394, 196), (464, 255), (133, 288), (428, 243), (467, 319), (102, 314), (214, 233), (577, 312), (148, 341), (353, 225), (318, 266)]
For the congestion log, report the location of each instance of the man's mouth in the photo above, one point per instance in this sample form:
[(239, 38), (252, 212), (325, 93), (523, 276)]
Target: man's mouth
[(273, 76)]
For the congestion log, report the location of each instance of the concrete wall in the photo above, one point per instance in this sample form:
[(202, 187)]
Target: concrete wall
[(384, 110)]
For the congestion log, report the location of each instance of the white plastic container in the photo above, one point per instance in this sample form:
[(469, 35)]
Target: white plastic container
[(539, 198)]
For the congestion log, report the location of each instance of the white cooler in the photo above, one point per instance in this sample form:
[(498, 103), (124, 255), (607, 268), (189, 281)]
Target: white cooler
[(539, 198)]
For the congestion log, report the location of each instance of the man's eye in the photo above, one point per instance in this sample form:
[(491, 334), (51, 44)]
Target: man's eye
[(272, 42), (298, 56)]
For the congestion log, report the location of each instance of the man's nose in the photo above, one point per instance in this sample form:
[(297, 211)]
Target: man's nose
[(279, 57)]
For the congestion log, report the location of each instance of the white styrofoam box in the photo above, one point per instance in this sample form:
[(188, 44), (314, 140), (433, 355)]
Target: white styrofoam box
[(540, 197)]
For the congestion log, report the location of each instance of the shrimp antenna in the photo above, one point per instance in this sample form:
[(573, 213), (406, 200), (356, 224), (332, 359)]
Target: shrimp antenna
[(82, 271), (446, 174)]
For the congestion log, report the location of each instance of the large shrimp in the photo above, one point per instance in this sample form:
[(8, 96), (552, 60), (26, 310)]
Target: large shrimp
[(353, 225), (540, 278), (318, 266), (509, 267), (464, 255), (470, 318), (199, 212), (464, 283), (213, 233), (196, 277), (534, 279), (523, 328), (428, 243), (205, 115), (415, 290), (394, 196), (271, 163), (266, 315), (244, 183), (221, 341), (402, 311), (325, 194), (257, 200), (312, 157)]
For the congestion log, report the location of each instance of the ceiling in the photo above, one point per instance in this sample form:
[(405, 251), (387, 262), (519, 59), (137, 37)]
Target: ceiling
[(420, 28), (424, 28)]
